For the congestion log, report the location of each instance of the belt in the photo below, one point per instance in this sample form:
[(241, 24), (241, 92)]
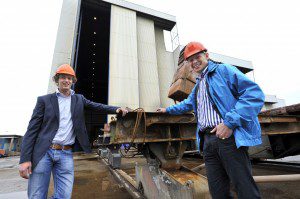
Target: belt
[(208, 130), (60, 147)]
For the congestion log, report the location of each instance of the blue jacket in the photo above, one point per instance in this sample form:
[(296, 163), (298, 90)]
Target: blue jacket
[(238, 99), (44, 124)]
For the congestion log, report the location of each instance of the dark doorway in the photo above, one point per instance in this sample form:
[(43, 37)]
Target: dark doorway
[(92, 60)]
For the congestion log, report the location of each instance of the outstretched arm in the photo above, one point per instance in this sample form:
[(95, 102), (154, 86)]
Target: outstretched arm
[(103, 107)]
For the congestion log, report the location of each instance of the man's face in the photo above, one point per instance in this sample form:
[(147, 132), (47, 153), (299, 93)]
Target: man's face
[(198, 61), (65, 82)]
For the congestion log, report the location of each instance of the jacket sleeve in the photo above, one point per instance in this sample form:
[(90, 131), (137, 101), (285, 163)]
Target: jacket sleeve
[(184, 106), (99, 107), (249, 96), (32, 132)]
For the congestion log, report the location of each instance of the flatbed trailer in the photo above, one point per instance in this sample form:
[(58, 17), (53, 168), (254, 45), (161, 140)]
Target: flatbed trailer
[(163, 139)]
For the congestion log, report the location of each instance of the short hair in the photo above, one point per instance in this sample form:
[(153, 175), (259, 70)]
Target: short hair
[(56, 77)]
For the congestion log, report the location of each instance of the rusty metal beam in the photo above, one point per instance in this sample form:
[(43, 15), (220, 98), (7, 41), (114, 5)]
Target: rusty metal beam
[(126, 184), (127, 177), (171, 183), (280, 128), (158, 127), (151, 140), (287, 110), (152, 127), (194, 180), (199, 167), (277, 119), (159, 118)]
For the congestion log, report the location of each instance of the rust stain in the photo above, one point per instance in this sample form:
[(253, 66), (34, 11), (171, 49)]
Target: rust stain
[(182, 176)]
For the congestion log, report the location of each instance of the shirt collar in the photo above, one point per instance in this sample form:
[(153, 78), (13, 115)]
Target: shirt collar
[(209, 68), (204, 72), (59, 94)]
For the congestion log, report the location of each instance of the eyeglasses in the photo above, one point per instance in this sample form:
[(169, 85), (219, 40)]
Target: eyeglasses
[(195, 56)]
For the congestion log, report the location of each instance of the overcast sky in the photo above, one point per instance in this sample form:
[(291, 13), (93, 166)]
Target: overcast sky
[(264, 32)]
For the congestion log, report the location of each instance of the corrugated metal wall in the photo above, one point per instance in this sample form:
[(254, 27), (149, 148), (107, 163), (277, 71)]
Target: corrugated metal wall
[(64, 39), (148, 73), (141, 70), (166, 68), (123, 60)]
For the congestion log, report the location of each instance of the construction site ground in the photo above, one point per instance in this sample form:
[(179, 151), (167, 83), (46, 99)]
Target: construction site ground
[(94, 180)]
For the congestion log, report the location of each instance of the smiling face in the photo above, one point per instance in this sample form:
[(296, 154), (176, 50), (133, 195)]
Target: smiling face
[(198, 61), (64, 83)]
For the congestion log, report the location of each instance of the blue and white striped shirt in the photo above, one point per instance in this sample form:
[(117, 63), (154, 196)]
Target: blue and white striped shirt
[(207, 116)]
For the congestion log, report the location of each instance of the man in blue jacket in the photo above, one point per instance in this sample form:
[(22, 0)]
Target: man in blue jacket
[(56, 121), (226, 104)]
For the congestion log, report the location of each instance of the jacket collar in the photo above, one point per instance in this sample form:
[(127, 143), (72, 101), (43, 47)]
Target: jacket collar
[(54, 102), (211, 66), (73, 102)]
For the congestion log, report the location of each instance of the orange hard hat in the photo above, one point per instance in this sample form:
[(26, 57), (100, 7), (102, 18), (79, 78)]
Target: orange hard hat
[(193, 48), (65, 69)]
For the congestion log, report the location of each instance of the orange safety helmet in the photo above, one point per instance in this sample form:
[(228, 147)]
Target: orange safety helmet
[(193, 48), (65, 69)]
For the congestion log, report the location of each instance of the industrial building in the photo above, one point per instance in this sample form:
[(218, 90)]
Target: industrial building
[(119, 54), (118, 51)]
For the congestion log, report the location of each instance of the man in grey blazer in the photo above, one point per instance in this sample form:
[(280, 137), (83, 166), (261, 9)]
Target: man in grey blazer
[(47, 145)]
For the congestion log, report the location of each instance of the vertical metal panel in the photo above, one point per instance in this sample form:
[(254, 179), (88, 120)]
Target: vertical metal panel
[(123, 62), (147, 63), (166, 68), (64, 39)]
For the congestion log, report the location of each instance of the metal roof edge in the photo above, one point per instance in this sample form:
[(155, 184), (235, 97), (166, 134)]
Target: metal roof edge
[(142, 9), (231, 60), (271, 99)]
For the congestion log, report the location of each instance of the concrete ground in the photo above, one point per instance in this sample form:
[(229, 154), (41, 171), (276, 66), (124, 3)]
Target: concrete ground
[(93, 179), (12, 185)]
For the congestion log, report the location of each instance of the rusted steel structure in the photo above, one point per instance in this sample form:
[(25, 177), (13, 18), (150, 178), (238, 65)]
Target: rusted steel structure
[(287, 110), (280, 133), (172, 134), (155, 182), (141, 127), (163, 139), (162, 136)]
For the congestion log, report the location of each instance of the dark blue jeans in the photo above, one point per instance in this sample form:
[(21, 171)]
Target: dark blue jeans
[(226, 163)]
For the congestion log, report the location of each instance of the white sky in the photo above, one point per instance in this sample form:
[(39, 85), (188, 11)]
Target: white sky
[(264, 32)]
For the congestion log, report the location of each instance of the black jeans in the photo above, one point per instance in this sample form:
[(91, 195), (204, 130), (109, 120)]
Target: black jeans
[(225, 163)]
